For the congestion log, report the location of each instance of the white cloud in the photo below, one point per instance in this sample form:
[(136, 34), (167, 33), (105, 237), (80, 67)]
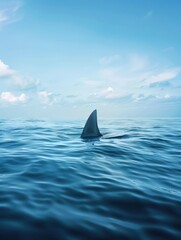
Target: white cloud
[(16, 79), (44, 97), (5, 70), (108, 92), (11, 98), (48, 98)]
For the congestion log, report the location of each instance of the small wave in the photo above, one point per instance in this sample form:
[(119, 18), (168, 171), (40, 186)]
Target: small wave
[(125, 185)]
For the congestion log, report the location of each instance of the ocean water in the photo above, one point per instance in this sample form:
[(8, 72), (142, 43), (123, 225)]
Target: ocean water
[(125, 185)]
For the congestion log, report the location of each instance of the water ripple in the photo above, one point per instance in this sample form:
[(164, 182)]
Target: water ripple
[(126, 185)]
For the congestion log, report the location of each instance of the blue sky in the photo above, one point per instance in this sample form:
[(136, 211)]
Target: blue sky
[(62, 59)]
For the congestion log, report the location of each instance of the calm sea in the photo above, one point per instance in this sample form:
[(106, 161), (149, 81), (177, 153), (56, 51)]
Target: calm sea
[(126, 185)]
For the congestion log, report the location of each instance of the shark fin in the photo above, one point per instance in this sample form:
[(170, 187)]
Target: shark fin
[(91, 129)]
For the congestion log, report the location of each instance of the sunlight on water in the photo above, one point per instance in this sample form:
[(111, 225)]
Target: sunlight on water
[(126, 185)]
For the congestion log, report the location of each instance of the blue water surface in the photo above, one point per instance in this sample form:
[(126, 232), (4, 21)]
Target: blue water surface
[(125, 185)]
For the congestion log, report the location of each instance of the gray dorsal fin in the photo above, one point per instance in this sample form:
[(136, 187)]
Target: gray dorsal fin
[(91, 129)]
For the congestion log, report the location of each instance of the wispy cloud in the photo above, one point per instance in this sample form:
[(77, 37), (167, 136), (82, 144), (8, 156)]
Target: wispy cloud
[(107, 93), (149, 14), (169, 49), (154, 98), (24, 82), (8, 12), (138, 62), (166, 75), (134, 77), (109, 59), (161, 85)]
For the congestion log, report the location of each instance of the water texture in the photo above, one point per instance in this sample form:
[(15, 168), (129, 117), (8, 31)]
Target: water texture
[(125, 185)]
